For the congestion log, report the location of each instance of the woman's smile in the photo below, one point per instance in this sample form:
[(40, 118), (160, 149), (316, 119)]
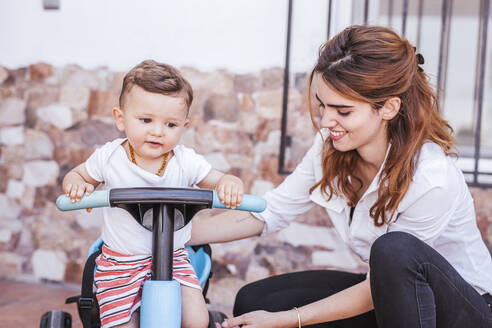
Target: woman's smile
[(337, 135)]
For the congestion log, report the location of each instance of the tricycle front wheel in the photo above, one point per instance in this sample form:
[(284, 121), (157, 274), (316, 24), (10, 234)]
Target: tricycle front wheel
[(56, 319), (215, 317)]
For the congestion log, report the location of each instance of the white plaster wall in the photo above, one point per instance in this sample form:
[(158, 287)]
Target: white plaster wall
[(240, 35)]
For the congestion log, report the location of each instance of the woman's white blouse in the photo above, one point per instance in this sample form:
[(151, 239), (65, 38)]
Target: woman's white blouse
[(437, 208)]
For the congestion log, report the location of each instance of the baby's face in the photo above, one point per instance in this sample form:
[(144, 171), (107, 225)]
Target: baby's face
[(152, 122)]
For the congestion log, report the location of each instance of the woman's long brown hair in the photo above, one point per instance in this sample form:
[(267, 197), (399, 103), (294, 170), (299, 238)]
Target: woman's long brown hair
[(372, 64)]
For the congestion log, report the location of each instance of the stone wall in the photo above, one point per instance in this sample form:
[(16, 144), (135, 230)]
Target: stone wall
[(51, 119)]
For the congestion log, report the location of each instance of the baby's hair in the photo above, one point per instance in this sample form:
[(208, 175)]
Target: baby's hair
[(158, 78)]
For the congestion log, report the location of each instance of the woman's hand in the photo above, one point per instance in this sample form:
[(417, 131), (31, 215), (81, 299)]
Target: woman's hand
[(263, 319)]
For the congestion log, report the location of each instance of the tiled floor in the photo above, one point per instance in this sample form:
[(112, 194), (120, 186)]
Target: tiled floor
[(23, 304)]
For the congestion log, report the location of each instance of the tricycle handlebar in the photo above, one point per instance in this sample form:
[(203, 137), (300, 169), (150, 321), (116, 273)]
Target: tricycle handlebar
[(106, 198), (98, 198)]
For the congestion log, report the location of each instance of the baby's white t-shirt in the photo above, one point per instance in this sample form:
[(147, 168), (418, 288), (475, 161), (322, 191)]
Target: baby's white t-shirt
[(110, 165)]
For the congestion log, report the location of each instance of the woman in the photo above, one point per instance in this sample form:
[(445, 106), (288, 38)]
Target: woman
[(382, 166)]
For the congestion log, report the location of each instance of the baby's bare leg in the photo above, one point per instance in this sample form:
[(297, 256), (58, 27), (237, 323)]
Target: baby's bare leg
[(194, 310), (134, 321)]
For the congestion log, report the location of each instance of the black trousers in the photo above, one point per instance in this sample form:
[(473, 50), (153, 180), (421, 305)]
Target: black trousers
[(412, 285)]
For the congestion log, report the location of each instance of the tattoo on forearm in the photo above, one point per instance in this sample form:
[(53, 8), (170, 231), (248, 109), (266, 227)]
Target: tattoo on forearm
[(241, 219)]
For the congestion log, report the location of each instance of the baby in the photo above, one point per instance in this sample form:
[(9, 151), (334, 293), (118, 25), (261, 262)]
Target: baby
[(153, 113)]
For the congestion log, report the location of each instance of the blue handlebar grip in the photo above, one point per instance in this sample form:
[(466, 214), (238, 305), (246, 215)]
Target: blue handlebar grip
[(249, 203), (99, 198)]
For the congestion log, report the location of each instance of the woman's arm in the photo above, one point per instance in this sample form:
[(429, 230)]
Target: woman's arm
[(347, 303), (227, 226), (286, 202)]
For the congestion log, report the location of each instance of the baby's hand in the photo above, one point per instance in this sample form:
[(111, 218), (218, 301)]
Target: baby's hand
[(76, 188), (230, 190)]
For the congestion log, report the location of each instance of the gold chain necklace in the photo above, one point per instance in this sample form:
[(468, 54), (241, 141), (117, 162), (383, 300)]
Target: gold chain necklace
[(164, 160)]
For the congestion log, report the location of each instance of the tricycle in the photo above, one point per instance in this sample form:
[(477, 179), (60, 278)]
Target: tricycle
[(162, 211)]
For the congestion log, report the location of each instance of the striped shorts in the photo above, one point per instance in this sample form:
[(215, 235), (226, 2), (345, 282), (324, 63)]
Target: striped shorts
[(119, 280)]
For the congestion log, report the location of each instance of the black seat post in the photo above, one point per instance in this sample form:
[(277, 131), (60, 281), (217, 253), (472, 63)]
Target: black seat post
[(162, 246)]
